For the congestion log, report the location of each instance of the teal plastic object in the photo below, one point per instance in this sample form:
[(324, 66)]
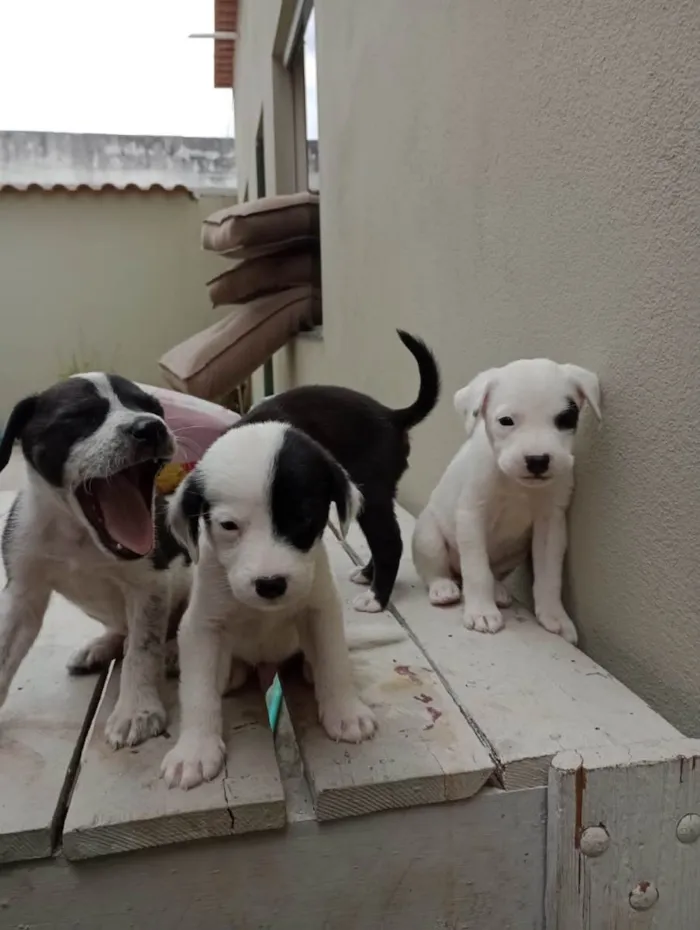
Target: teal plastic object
[(273, 699)]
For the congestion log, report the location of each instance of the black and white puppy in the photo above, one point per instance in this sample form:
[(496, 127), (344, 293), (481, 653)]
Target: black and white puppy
[(372, 444), (252, 514), (84, 526)]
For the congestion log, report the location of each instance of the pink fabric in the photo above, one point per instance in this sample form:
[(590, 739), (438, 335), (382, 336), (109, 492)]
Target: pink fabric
[(196, 423)]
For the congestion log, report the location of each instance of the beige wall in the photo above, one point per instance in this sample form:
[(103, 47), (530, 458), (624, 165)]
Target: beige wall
[(107, 280), (514, 179)]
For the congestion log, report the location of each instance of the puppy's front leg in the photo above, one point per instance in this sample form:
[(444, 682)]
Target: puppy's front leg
[(205, 660), (343, 715), (548, 548), (139, 712), (22, 609), (478, 584)]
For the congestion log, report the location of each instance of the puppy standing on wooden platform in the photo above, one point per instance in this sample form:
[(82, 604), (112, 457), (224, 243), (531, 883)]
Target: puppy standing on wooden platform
[(507, 488), (88, 525), (252, 515), (371, 442)]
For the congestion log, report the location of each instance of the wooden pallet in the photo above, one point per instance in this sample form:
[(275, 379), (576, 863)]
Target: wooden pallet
[(511, 779)]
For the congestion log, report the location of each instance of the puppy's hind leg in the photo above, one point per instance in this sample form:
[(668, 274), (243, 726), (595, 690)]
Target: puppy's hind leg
[(22, 609), (432, 562), (379, 524), (363, 574), (97, 654)]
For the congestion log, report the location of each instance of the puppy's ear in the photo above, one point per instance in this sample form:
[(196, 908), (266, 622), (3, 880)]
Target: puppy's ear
[(587, 387), (346, 496), (186, 506), (14, 428), (470, 401)]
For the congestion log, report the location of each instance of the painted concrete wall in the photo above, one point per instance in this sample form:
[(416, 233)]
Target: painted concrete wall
[(98, 280), (514, 179)]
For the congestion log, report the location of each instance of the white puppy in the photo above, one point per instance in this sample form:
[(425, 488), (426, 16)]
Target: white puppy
[(507, 488), (252, 515)]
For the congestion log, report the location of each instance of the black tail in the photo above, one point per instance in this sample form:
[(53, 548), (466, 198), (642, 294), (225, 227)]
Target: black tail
[(429, 390)]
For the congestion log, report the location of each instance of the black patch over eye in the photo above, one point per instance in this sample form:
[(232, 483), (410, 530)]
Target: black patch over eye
[(301, 491), (228, 525), (567, 420), (506, 421)]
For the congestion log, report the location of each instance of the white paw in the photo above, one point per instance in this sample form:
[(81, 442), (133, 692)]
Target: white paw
[(357, 576), (367, 603), (558, 621), (348, 720), (196, 757), (483, 618), (130, 724), (503, 596), (96, 655), (444, 591)]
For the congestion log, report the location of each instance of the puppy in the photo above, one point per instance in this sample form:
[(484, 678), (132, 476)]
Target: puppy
[(252, 514), (371, 442), (507, 488), (90, 526)]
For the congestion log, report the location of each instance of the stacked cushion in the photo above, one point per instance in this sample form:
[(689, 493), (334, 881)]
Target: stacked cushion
[(256, 223), (214, 361), (273, 285), (251, 278)]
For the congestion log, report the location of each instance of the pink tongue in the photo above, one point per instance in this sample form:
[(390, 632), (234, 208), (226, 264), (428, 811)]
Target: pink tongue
[(126, 516)]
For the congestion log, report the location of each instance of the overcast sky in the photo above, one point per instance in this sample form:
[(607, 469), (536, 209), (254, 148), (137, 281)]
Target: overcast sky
[(125, 67)]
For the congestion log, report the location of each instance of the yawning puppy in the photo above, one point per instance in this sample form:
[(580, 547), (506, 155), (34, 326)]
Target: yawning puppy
[(508, 487), (253, 514), (84, 526)]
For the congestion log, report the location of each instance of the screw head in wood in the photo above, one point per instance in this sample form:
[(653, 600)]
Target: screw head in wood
[(594, 841), (688, 829), (644, 896)]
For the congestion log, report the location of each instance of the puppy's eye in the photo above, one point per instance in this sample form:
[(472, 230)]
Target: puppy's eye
[(506, 421), (567, 420), (228, 525)]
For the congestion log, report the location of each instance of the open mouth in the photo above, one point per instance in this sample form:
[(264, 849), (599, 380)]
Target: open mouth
[(120, 508)]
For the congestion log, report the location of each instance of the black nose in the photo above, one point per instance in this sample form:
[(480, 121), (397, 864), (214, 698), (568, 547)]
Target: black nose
[(271, 587), (537, 464), (147, 430)]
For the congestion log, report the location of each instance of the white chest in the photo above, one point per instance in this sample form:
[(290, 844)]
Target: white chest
[(264, 638), (509, 520), (84, 575)]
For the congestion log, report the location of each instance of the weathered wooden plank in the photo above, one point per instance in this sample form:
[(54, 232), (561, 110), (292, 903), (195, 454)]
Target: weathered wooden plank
[(424, 751), (475, 865), (528, 692), (120, 802), (623, 846), (42, 726)]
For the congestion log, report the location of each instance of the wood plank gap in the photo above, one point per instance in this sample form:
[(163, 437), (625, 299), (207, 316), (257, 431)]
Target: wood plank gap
[(499, 769), (74, 764), (424, 752)]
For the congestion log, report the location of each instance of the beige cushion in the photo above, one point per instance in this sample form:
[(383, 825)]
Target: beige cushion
[(258, 222), (213, 362), (272, 248), (266, 274)]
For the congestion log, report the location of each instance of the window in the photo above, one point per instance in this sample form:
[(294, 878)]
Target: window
[(261, 184), (311, 103), (302, 65), (260, 181)]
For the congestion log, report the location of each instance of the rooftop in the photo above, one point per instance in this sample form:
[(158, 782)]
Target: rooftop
[(73, 161)]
